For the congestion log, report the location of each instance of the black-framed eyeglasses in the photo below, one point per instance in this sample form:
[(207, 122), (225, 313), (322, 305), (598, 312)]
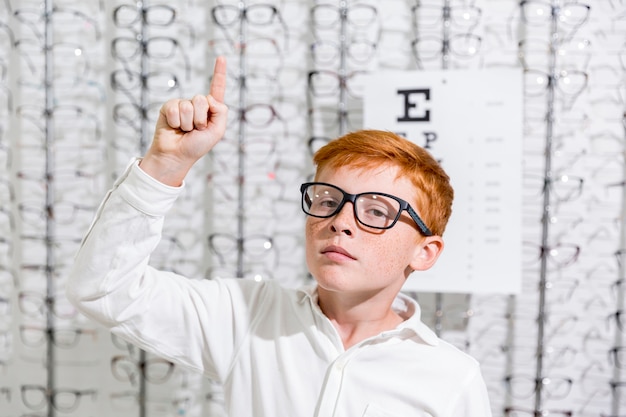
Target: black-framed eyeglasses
[(371, 209)]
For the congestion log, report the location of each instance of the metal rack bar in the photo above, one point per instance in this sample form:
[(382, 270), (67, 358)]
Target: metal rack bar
[(546, 208), (343, 34), (143, 147), (445, 61), (241, 138), (621, 278), (49, 179)]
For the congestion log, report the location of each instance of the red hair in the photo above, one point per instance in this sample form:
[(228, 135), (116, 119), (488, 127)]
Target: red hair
[(368, 149)]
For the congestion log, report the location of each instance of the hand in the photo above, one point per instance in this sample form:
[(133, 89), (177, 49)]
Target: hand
[(186, 130)]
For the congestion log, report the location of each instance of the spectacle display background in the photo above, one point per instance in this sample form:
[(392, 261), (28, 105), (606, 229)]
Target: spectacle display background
[(66, 134)]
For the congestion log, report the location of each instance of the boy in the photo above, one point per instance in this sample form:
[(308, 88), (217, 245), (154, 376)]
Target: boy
[(351, 345)]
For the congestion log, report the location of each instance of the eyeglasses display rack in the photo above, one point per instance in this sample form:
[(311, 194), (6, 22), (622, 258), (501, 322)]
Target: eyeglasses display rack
[(225, 16), (345, 37), (541, 380), (423, 44), (143, 133), (445, 61)]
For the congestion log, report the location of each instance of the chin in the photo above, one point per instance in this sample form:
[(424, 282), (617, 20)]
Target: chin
[(333, 281)]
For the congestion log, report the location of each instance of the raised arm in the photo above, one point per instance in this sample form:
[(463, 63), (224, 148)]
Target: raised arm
[(111, 281)]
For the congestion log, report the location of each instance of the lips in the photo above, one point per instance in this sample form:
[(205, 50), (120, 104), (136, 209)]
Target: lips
[(337, 251)]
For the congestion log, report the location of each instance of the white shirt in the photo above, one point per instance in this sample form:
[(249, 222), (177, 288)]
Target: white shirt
[(272, 348)]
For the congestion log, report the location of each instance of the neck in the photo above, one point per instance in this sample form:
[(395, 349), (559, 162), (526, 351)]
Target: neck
[(357, 318)]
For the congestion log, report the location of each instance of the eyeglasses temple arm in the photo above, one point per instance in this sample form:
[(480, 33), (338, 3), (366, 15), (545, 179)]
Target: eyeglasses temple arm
[(420, 223)]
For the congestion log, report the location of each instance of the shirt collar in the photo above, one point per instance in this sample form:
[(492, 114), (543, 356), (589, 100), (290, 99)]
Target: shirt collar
[(404, 305)]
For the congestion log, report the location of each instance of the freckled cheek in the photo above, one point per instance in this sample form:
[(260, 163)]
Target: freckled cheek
[(389, 253), (311, 229)]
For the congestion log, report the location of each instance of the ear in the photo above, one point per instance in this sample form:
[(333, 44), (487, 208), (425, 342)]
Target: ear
[(427, 253)]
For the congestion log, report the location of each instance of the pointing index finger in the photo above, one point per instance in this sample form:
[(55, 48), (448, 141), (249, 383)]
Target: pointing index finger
[(218, 83)]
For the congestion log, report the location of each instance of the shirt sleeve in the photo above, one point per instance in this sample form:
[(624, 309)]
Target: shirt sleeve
[(195, 323), (474, 401)]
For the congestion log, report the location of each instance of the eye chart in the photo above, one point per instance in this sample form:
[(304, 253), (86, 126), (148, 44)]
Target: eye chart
[(470, 121)]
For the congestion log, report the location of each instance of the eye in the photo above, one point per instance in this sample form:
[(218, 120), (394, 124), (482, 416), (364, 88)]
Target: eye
[(376, 210), (328, 202), (373, 206), (326, 199)]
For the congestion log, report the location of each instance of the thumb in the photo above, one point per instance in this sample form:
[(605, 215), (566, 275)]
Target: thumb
[(218, 115)]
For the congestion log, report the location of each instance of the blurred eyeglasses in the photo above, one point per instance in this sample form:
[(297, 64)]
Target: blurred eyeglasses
[(564, 187), (60, 16), (71, 59), (568, 81), (160, 47), (257, 115), (525, 386), (324, 83), (328, 52), (257, 151), (126, 15), (64, 400), (132, 114), (35, 304), (464, 17), (260, 14), (560, 254), (536, 53), (463, 46), (554, 357), (154, 370), (334, 118), (254, 246), (35, 336), (255, 14), (358, 15), (254, 274), (126, 49), (523, 412), (264, 53), (82, 120), (569, 13), (260, 85), (156, 82)]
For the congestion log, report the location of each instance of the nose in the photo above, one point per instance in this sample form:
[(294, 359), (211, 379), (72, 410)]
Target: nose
[(344, 221)]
